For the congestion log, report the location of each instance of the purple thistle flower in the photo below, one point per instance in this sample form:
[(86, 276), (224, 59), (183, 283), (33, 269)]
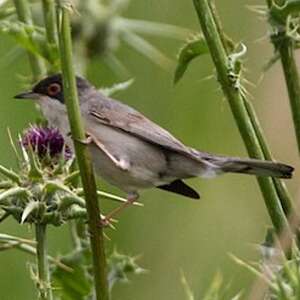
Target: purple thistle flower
[(46, 141)]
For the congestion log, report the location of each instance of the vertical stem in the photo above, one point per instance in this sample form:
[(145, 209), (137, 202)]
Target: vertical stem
[(44, 284), (284, 45), (82, 154), (286, 50), (51, 35), (215, 40), (24, 15), (50, 20)]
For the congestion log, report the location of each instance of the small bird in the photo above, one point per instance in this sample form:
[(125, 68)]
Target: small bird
[(132, 152)]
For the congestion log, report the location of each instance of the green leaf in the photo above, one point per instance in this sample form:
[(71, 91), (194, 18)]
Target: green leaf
[(72, 285), (71, 178), (187, 289), (120, 266), (187, 53), (10, 174), (31, 38), (121, 86), (13, 192)]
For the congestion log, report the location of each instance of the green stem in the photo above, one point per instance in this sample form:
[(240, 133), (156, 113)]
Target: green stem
[(215, 37), (279, 185), (286, 50), (50, 20), (44, 284), (82, 154), (285, 46), (50, 25), (24, 15)]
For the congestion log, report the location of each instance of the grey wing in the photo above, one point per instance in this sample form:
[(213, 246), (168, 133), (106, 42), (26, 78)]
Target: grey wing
[(115, 114)]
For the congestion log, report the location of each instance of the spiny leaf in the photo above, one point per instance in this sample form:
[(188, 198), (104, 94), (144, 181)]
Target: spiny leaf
[(53, 186), (120, 265), (29, 209), (32, 38), (10, 238), (10, 174), (35, 171), (67, 201), (11, 141), (5, 184), (187, 53), (71, 177), (14, 191), (117, 87), (72, 285)]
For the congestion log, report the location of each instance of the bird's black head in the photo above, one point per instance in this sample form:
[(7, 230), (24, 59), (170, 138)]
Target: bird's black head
[(52, 87)]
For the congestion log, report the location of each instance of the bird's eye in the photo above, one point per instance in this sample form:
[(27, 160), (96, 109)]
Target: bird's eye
[(53, 89)]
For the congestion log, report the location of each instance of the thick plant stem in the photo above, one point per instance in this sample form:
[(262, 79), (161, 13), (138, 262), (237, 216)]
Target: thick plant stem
[(237, 100), (281, 189), (24, 15), (44, 284), (82, 154)]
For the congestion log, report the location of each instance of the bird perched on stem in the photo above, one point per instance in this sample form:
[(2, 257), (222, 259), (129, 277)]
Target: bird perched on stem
[(132, 152)]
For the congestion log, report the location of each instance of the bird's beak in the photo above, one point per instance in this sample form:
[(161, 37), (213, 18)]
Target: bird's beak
[(27, 95)]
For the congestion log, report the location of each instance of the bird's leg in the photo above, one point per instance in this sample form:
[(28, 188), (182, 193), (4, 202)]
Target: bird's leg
[(131, 198)]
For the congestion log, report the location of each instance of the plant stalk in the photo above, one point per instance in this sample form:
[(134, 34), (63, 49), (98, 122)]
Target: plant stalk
[(82, 154), (24, 15), (215, 39), (285, 46), (44, 284), (50, 20), (286, 50)]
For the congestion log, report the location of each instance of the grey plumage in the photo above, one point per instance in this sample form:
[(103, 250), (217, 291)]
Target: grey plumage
[(134, 153)]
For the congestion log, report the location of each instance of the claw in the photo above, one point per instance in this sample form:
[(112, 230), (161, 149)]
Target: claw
[(131, 198)]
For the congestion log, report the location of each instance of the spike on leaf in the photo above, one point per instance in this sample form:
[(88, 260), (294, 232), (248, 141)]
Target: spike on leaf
[(29, 209)]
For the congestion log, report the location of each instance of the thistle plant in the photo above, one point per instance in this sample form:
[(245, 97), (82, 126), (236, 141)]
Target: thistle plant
[(42, 192), (46, 189)]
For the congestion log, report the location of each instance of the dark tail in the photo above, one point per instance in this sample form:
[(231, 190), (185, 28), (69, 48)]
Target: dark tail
[(249, 166)]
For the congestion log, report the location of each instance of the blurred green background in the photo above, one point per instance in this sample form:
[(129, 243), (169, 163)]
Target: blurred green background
[(171, 233)]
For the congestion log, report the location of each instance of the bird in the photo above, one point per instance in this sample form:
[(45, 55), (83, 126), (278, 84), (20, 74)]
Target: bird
[(132, 152)]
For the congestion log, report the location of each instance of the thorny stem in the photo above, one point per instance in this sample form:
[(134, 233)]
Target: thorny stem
[(43, 282), (215, 40), (285, 46), (24, 15), (82, 154)]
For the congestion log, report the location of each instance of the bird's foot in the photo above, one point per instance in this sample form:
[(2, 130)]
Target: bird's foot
[(88, 140), (131, 198)]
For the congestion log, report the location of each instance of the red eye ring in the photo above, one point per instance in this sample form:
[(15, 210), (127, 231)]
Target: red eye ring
[(53, 89)]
